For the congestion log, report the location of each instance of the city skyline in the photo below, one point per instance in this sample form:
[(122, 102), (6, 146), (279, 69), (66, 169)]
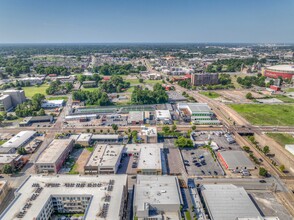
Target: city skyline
[(146, 22)]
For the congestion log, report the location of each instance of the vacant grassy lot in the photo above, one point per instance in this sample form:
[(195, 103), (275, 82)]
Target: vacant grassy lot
[(282, 138), (58, 98), (290, 90), (211, 95), (265, 114), (32, 90)]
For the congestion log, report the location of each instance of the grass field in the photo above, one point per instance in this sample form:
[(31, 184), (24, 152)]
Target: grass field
[(282, 138), (89, 89), (290, 90), (152, 82), (32, 90), (264, 114), (284, 98), (58, 98), (133, 81), (211, 95)]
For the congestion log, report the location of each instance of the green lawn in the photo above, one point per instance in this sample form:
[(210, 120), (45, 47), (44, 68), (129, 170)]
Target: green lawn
[(284, 98), (133, 81), (290, 90), (32, 90), (211, 95), (266, 114), (152, 82), (58, 98), (188, 216), (2, 142), (89, 89), (282, 138)]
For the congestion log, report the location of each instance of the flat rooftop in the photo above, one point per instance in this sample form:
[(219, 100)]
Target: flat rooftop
[(135, 116), (150, 157), (149, 131), (228, 202), (163, 114), (288, 68), (54, 151), (164, 190), (105, 155), (69, 185), (195, 107), (105, 137), (85, 137), (8, 158), (19, 139), (235, 159)]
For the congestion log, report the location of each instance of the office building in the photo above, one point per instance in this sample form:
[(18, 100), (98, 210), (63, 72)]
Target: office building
[(148, 134), (17, 141), (201, 79), (42, 197), (157, 197), (17, 96), (52, 158), (105, 159), (84, 139)]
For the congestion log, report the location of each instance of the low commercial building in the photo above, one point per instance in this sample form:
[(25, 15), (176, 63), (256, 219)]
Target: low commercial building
[(32, 80), (148, 134), (136, 118), (53, 103), (235, 160), (40, 197), (84, 139), (36, 119), (106, 138), (14, 160), (4, 188), (150, 159), (228, 202), (52, 158), (163, 116), (197, 113), (201, 79), (17, 141), (174, 96), (81, 118), (157, 197), (105, 159)]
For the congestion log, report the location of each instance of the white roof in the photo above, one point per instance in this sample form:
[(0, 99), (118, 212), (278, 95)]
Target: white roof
[(19, 139), (97, 193), (234, 159), (290, 148), (149, 131), (227, 202), (54, 102), (163, 114), (54, 151), (150, 157), (105, 155), (287, 68), (105, 136), (155, 189), (7, 158), (84, 137), (195, 107)]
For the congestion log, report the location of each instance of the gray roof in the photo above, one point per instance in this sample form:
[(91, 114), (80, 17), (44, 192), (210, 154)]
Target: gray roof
[(235, 159), (19, 139), (228, 202), (136, 116)]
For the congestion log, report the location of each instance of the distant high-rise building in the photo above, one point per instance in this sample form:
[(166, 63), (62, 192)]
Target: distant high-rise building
[(201, 79)]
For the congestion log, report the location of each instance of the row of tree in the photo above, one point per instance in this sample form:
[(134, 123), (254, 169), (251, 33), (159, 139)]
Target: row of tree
[(56, 87), (31, 107), (111, 69), (95, 97), (146, 96)]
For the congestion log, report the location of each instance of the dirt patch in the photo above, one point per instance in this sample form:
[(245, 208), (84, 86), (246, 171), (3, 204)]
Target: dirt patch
[(82, 160)]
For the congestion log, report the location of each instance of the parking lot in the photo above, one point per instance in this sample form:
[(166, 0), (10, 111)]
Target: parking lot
[(199, 162)]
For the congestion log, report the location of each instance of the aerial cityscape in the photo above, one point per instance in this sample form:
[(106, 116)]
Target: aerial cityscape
[(153, 125)]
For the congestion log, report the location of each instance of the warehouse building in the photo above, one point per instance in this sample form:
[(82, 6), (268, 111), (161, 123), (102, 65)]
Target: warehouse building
[(17, 141), (84, 139), (174, 96), (41, 197), (105, 159), (163, 116), (235, 160), (136, 118), (52, 158), (228, 202), (36, 119), (197, 113), (157, 197), (150, 159), (106, 138)]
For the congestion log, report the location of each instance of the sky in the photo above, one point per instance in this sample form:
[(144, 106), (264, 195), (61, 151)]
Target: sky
[(146, 21)]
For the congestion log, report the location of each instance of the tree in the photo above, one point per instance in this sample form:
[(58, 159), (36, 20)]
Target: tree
[(249, 95), (174, 128), (7, 169), (114, 127), (263, 172), (21, 151), (88, 130), (282, 168), (166, 129), (246, 148), (141, 80), (193, 127), (1, 118), (266, 150), (184, 142)]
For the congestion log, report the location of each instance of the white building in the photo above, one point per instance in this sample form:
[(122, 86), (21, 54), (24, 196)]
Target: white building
[(105, 159), (100, 197), (17, 141), (164, 116), (148, 134), (157, 197), (84, 139), (53, 104)]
